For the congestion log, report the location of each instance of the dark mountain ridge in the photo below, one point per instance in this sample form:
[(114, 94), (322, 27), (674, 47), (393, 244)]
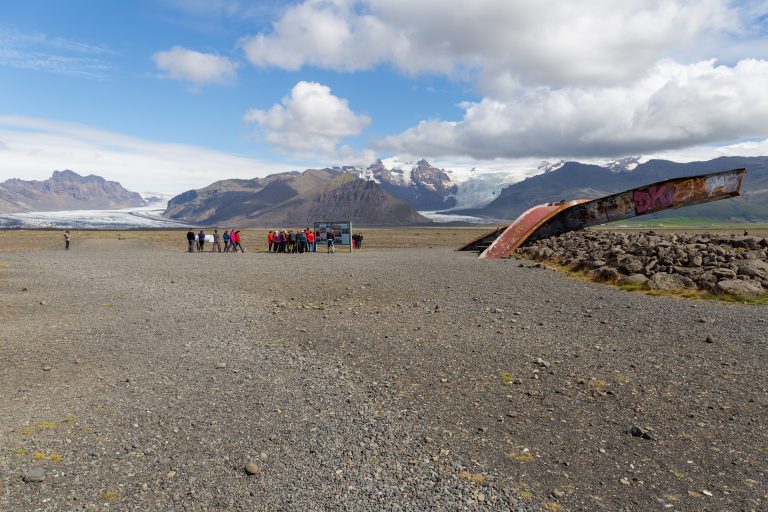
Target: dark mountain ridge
[(583, 181), (293, 199), (65, 190)]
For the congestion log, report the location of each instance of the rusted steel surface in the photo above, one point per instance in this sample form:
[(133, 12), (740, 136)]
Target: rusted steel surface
[(556, 218), (664, 195), (517, 232), (484, 239)]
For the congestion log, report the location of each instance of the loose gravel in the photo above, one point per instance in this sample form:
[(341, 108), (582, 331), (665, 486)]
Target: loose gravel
[(138, 378)]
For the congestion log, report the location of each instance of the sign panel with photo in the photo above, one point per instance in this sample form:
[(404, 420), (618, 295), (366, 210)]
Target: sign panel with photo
[(342, 232)]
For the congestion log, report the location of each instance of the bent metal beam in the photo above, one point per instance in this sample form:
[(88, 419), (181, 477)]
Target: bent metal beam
[(556, 218)]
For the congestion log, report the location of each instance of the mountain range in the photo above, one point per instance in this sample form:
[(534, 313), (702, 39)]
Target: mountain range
[(393, 193), (293, 199), (573, 180), (65, 190)]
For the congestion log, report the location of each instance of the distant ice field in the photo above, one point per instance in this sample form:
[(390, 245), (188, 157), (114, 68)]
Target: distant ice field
[(149, 216)]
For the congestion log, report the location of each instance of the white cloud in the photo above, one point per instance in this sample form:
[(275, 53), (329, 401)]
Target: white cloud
[(673, 106), (498, 41), (311, 121), (37, 51), (32, 148), (199, 68)]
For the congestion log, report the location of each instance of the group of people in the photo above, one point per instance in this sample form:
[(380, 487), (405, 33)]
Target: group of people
[(279, 240), (294, 242), (231, 238)]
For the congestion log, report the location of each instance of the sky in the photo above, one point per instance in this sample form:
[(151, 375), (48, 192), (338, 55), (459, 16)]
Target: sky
[(168, 95)]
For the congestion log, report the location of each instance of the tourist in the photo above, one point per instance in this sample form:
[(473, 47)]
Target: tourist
[(200, 240), (311, 240), (291, 241), (225, 236), (270, 240), (236, 244), (191, 240), (330, 237), (302, 242), (215, 245), (67, 237)]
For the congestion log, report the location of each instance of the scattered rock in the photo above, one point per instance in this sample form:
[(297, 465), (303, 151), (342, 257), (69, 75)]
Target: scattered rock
[(46, 368), (709, 339), (34, 475), (221, 365), (739, 287), (251, 468), (634, 280)]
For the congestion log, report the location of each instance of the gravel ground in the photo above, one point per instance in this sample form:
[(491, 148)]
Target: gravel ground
[(139, 378)]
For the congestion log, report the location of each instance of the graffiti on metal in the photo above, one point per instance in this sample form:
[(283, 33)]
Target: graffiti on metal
[(557, 218), (665, 195), (654, 199)]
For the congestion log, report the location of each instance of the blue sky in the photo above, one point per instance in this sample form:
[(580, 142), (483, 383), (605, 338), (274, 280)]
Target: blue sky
[(167, 95)]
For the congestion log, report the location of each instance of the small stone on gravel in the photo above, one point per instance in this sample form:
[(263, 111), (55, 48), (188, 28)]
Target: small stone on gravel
[(251, 468), (34, 475)]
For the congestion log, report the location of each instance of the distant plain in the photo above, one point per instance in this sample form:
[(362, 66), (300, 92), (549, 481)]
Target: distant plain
[(20, 240)]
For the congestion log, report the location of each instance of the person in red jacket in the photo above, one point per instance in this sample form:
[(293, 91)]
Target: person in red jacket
[(270, 239), (311, 240), (236, 242)]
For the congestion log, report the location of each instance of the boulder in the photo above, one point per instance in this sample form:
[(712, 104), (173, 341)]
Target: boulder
[(608, 273), (634, 280), (668, 282), (739, 287), (753, 268), (724, 273)]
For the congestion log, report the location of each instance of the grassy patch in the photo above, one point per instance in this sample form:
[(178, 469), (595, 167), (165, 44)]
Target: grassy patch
[(471, 477), (759, 300), (108, 496), (597, 384), (38, 455), (506, 377), (523, 457)]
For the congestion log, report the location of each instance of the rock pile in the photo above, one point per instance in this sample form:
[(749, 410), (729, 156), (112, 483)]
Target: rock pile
[(714, 263)]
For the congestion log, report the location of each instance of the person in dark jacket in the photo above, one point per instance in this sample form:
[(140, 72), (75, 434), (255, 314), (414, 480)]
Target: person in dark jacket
[(191, 240)]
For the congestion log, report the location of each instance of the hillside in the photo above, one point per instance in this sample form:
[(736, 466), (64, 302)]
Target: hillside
[(293, 199), (65, 190), (581, 181)]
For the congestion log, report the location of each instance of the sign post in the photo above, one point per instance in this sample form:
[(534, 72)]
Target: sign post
[(342, 232)]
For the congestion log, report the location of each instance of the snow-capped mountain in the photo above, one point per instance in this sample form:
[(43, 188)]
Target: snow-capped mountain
[(627, 164), (429, 188), (417, 183), (549, 167)]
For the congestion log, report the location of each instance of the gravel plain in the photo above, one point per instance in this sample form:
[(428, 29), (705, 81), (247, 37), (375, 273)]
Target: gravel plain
[(140, 378)]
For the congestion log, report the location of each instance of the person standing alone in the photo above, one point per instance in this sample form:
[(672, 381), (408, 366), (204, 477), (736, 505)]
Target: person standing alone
[(67, 237), (191, 240)]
